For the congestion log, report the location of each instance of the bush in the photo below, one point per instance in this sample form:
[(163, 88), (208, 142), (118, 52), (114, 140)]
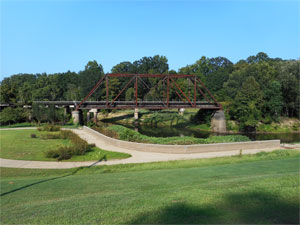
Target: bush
[(65, 134), (65, 152), (92, 145), (52, 153), (78, 146), (229, 138), (49, 127), (51, 136), (62, 152), (33, 135)]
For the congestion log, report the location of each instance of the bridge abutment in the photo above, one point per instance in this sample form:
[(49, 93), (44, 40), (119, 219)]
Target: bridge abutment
[(218, 122)]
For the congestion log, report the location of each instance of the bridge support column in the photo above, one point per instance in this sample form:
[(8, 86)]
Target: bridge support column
[(218, 122), (88, 117), (77, 116), (136, 113), (95, 114), (181, 111)]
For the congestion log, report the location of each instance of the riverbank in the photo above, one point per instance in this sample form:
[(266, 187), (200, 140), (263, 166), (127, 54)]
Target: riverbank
[(172, 118), (127, 134)]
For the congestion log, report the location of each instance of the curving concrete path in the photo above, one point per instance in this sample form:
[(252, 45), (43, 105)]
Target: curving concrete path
[(137, 157)]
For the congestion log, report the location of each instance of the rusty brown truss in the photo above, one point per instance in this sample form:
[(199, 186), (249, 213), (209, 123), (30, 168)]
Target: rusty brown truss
[(169, 82)]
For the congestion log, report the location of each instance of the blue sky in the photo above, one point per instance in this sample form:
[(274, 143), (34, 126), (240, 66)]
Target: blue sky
[(56, 36)]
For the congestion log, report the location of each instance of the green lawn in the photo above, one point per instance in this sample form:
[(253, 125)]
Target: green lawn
[(28, 124), (260, 189), (25, 124), (17, 144)]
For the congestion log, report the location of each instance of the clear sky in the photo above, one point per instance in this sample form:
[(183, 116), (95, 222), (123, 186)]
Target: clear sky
[(57, 36)]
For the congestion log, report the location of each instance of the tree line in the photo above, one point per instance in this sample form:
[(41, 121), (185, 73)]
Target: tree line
[(257, 89)]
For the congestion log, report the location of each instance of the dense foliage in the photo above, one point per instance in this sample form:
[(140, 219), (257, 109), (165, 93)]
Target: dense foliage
[(258, 89), (126, 134)]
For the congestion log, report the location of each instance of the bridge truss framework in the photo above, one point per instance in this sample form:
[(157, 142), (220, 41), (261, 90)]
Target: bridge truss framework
[(168, 83)]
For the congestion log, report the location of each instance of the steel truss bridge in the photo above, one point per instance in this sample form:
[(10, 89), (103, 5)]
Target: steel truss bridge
[(198, 95), (167, 82)]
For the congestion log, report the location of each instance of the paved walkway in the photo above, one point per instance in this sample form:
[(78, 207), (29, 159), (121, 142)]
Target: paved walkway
[(137, 157)]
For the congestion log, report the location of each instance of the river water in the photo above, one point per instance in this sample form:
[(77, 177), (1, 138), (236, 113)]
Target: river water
[(174, 131)]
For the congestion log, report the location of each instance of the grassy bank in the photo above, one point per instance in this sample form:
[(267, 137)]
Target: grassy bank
[(18, 144), (126, 134), (172, 118), (263, 190)]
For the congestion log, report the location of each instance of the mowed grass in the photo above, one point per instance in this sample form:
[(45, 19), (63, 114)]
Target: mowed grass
[(17, 144), (259, 189)]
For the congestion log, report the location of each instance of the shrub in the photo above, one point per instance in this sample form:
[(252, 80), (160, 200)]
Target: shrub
[(92, 145), (49, 127), (62, 152), (50, 136), (33, 135), (78, 146), (229, 138), (65, 152), (52, 153), (65, 134)]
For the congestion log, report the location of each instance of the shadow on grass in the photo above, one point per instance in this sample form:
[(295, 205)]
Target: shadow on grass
[(248, 208), (55, 178)]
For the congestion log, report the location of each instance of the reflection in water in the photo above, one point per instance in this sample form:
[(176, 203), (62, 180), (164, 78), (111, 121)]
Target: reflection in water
[(181, 131)]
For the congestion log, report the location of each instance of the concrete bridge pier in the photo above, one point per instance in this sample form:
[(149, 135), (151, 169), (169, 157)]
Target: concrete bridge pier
[(88, 117), (77, 116), (95, 114), (136, 113), (218, 122)]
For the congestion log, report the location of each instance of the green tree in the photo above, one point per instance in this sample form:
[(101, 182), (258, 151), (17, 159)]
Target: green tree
[(246, 108), (89, 77), (124, 67), (11, 115), (273, 101), (289, 77)]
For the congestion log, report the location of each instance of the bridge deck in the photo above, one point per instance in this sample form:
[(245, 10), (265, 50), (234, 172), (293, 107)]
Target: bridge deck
[(132, 104)]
